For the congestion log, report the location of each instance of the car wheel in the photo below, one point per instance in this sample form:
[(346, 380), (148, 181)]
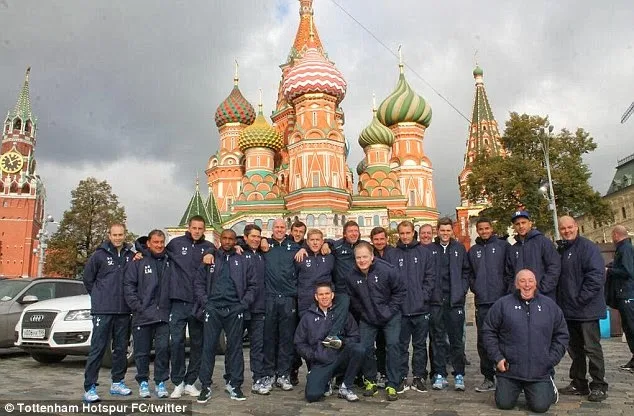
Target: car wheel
[(106, 361), (45, 358), (222, 343)]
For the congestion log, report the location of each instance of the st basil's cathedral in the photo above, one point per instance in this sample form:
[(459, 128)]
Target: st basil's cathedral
[(296, 168)]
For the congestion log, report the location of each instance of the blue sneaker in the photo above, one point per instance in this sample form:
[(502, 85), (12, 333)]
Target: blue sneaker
[(91, 395), (440, 382), (459, 382), (161, 390), (144, 390), (120, 389)]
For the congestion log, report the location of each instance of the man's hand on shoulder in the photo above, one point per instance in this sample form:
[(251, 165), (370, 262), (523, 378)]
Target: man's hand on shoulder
[(137, 256), (208, 258), (325, 249), (264, 245), (299, 256)]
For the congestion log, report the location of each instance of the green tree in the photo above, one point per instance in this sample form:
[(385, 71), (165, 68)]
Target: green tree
[(513, 181), (83, 227)]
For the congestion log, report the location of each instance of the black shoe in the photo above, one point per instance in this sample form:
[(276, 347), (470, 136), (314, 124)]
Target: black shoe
[(236, 394), (572, 390), (629, 366), (204, 396), (294, 377), (418, 384), (402, 387), (597, 395)]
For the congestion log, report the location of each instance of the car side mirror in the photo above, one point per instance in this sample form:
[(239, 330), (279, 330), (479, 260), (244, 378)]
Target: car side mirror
[(29, 299)]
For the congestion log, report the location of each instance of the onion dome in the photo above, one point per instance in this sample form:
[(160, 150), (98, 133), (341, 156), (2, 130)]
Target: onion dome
[(260, 134), (376, 133), (361, 167), (235, 108), (313, 73), (478, 71), (404, 105)]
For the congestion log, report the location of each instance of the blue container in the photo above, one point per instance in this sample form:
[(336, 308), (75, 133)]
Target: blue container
[(604, 325)]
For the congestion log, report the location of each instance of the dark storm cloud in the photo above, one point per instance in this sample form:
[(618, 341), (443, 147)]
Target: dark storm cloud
[(143, 78)]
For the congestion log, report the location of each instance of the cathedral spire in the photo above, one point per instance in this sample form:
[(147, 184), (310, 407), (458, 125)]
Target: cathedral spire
[(306, 32), (236, 78), (22, 108), (196, 206)]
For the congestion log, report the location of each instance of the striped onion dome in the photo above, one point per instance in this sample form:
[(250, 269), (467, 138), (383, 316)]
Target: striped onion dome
[(404, 105), (260, 134), (361, 167), (376, 133), (313, 73), (235, 109)]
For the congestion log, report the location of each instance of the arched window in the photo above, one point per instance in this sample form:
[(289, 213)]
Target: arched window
[(393, 225), (376, 221), (310, 220), (269, 224), (258, 222), (361, 221), (17, 124), (335, 221), (322, 220), (239, 227)]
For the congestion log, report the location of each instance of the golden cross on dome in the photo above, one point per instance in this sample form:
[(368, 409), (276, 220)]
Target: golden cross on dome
[(400, 57), (235, 76), (260, 102)]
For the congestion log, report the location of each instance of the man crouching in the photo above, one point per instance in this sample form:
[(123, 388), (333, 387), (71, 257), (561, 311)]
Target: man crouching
[(325, 362)]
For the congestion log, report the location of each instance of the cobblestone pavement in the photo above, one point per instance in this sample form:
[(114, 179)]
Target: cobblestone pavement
[(23, 378)]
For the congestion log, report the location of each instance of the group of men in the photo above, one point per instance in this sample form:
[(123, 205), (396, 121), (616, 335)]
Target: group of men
[(339, 304)]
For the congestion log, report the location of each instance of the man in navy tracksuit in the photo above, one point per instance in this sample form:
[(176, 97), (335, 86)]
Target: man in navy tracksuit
[(186, 253), (343, 250), (255, 325), (378, 237), (280, 280), (103, 278), (376, 295), (146, 289), (532, 251), (416, 271), (525, 334), (621, 286), (447, 305), (580, 296), (227, 288), (325, 362), (312, 269), (486, 280)]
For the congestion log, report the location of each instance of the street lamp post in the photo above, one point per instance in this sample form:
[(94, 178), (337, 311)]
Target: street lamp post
[(42, 237), (547, 189)]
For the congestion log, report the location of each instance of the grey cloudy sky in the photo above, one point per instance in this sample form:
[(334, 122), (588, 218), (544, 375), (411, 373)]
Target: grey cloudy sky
[(126, 90)]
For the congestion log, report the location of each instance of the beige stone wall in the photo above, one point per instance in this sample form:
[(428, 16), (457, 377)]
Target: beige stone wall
[(622, 204)]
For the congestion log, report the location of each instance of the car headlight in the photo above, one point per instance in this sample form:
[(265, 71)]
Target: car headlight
[(78, 315)]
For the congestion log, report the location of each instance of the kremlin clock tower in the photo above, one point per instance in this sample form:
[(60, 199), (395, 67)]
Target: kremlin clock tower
[(21, 190)]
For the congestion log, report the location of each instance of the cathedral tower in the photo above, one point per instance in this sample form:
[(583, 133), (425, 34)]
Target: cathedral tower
[(483, 137)]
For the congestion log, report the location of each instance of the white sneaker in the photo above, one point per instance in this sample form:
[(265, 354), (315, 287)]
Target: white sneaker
[(228, 388), (267, 385), (191, 390), (284, 383), (178, 391)]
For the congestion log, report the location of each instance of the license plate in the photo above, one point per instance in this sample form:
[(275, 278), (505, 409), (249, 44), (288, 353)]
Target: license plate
[(34, 333)]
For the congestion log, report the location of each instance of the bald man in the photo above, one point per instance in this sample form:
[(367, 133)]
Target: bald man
[(621, 282), (580, 296), (525, 334)]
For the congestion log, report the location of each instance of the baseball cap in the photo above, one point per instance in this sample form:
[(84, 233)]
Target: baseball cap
[(519, 214)]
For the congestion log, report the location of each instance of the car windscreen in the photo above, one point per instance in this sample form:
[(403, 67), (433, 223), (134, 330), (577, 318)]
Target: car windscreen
[(10, 288)]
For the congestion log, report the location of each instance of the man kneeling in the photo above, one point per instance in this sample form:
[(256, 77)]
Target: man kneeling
[(525, 334), (325, 362)]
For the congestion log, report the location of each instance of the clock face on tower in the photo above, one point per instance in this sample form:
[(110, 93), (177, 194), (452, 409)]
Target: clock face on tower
[(11, 162)]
